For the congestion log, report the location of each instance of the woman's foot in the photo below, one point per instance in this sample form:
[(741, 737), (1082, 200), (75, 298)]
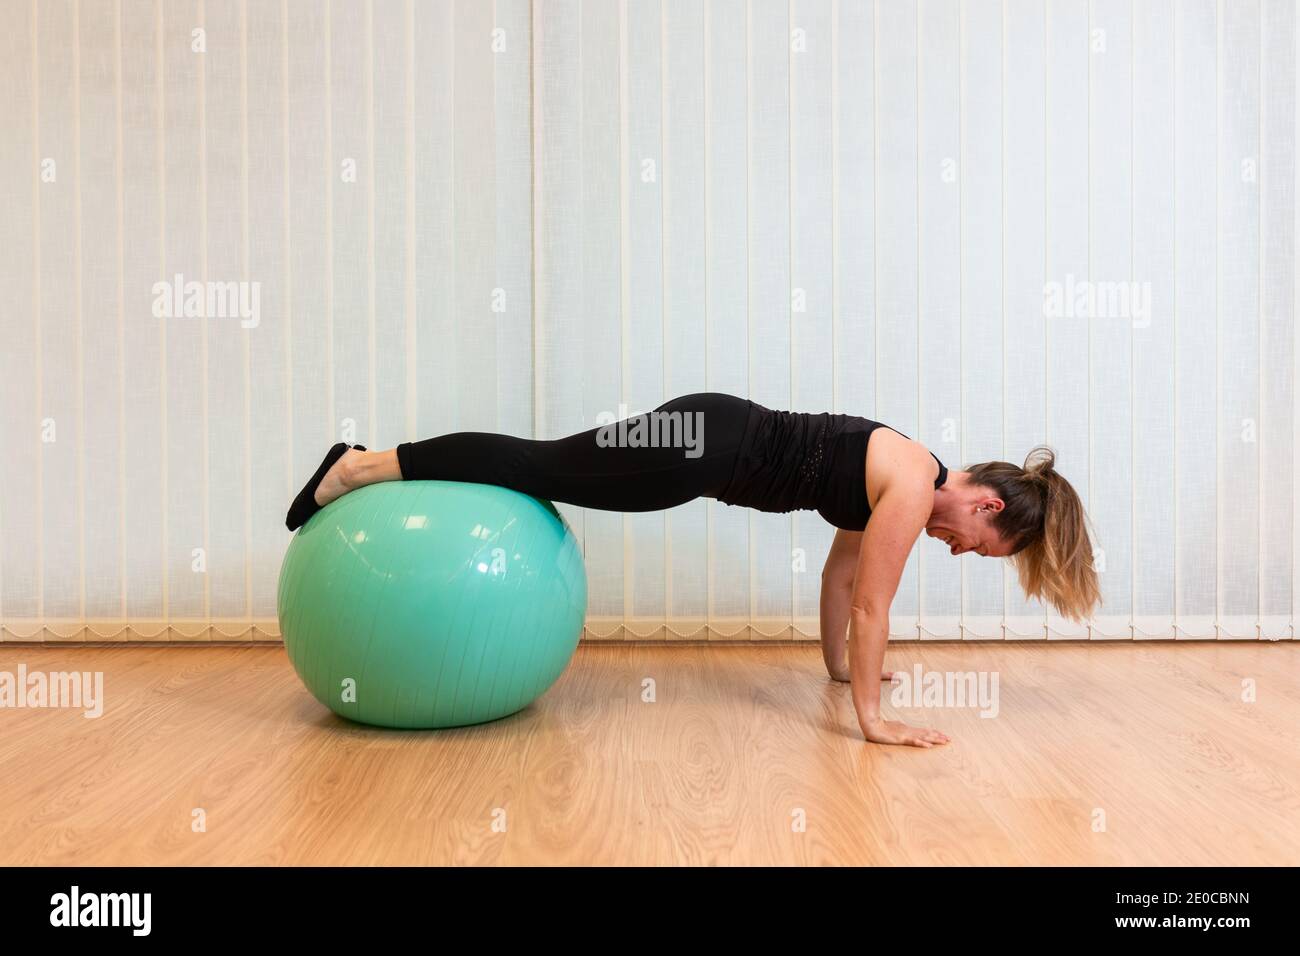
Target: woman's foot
[(309, 500), (342, 470), (338, 481)]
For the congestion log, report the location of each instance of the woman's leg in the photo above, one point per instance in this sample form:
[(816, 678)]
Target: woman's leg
[(682, 450)]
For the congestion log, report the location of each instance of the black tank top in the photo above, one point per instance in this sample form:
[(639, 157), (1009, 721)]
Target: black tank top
[(796, 461)]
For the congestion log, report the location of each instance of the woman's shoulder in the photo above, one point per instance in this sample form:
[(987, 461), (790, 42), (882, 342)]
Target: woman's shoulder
[(895, 459)]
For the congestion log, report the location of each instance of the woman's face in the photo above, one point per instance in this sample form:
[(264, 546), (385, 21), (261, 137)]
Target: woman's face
[(970, 528)]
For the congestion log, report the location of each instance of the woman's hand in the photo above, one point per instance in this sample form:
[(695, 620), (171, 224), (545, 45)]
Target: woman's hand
[(880, 731)]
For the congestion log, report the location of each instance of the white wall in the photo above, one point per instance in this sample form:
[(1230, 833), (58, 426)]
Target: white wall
[(821, 205)]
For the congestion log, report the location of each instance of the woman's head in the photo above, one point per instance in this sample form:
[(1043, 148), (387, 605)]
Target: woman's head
[(1032, 515)]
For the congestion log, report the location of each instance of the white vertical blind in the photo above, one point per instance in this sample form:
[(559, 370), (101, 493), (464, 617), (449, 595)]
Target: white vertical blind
[(939, 280), (1199, 447), (1110, 56), (988, 223), (895, 350), (1154, 215), (727, 275), (1023, 382), (974, 427), (1277, 346), (1067, 394)]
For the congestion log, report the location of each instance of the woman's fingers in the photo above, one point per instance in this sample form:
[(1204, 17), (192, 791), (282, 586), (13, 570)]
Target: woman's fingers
[(927, 738)]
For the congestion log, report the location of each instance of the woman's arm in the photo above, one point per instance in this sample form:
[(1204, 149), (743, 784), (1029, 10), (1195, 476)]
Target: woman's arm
[(838, 572), (837, 592), (896, 522)]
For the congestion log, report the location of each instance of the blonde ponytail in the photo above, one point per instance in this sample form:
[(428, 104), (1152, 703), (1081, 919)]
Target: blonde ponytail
[(1045, 520)]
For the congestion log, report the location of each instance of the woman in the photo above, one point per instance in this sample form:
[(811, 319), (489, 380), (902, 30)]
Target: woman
[(846, 468)]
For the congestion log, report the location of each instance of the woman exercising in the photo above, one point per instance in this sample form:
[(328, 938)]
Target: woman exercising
[(847, 469)]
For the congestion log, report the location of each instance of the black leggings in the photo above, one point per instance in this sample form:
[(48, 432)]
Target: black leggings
[(684, 449)]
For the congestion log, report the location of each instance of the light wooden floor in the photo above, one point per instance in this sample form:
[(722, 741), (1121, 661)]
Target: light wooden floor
[(742, 743)]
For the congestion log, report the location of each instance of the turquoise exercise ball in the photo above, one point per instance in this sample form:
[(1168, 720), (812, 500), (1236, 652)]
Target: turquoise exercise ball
[(431, 603)]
